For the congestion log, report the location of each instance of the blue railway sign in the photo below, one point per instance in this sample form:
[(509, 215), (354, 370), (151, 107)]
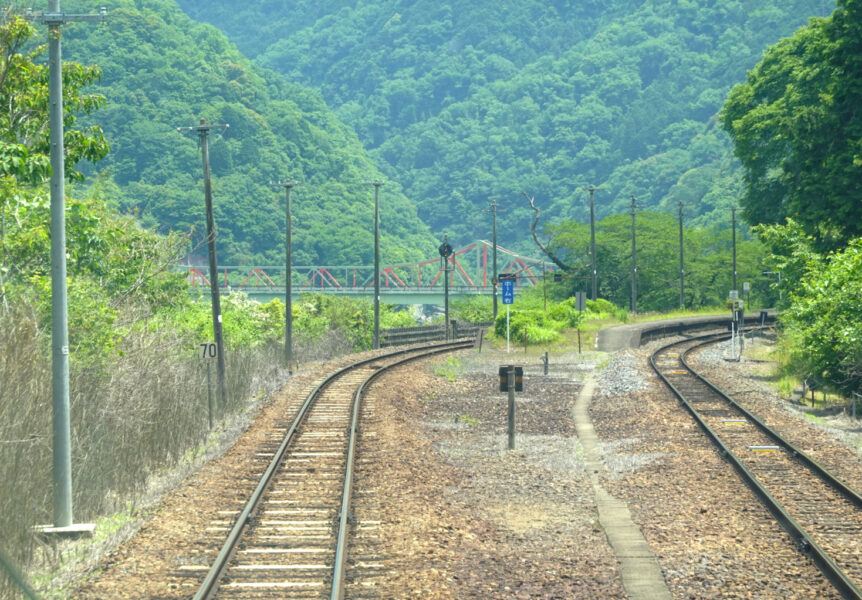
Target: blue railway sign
[(507, 289)]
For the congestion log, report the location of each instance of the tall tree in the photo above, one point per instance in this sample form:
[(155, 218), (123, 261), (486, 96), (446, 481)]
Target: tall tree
[(24, 135), (797, 129)]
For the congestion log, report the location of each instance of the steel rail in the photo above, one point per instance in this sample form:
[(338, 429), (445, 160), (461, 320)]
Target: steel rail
[(828, 477), (803, 540), (210, 585), (339, 566)]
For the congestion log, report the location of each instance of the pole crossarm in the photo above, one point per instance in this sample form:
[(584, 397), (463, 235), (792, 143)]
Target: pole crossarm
[(54, 19), (204, 127)]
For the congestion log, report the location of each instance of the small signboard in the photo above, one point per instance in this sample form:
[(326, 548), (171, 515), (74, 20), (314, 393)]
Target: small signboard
[(507, 289), (208, 351), (504, 378)]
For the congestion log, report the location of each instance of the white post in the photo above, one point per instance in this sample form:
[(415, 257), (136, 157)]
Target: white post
[(507, 329), (732, 340)]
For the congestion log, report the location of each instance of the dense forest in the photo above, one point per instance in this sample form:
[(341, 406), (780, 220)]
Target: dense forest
[(160, 71), (467, 101)]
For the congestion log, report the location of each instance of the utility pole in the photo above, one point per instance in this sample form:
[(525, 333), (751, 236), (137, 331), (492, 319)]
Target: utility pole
[(375, 340), (634, 260), (203, 132), (733, 229), (544, 288), (681, 263), (493, 212), (445, 259), (62, 433), (445, 251), (288, 184), (594, 274)]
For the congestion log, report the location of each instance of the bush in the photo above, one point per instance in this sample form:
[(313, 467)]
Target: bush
[(823, 324), (605, 309), (565, 312), (534, 325), (473, 309)]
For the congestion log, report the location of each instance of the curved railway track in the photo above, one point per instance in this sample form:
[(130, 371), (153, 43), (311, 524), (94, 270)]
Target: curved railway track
[(821, 513), (290, 539)]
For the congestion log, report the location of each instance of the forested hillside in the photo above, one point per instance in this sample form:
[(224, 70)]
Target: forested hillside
[(160, 71), (468, 101)]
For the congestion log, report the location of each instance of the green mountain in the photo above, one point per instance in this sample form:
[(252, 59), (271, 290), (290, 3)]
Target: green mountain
[(161, 71), (470, 100)]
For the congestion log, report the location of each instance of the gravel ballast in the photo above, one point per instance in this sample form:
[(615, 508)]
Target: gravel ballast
[(462, 517)]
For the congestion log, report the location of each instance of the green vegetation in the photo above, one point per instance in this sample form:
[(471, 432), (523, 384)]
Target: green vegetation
[(707, 251), (529, 322), (467, 420), (823, 321), (796, 129), (466, 101), (137, 390), (449, 369), (160, 71)]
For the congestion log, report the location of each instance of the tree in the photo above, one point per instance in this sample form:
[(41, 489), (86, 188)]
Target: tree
[(797, 131), (25, 147), (824, 320), (24, 135), (708, 261)]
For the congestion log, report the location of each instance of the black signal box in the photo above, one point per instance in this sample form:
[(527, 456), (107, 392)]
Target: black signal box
[(504, 379)]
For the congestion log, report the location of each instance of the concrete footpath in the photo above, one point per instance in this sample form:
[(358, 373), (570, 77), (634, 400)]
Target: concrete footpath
[(641, 575)]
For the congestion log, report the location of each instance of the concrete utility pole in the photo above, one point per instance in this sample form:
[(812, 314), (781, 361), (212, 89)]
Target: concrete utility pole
[(62, 435), (375, 340), (594, 274), (288, 184), (733, 229), (493, 211), (203, 131), (634, 260), (681, 263)]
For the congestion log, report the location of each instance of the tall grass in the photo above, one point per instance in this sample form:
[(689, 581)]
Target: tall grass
[(25, 436), (134, 413)]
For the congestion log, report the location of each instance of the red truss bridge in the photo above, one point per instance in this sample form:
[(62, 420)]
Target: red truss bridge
[(469, 270)]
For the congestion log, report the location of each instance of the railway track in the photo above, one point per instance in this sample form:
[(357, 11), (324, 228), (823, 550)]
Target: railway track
[(290, 539), (820, 512)]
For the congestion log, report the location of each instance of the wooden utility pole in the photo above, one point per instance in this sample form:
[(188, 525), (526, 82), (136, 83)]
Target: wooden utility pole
[(634, 259), (288, 185), (681, 263), (375, 339), (203, 132), (593, 269)]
